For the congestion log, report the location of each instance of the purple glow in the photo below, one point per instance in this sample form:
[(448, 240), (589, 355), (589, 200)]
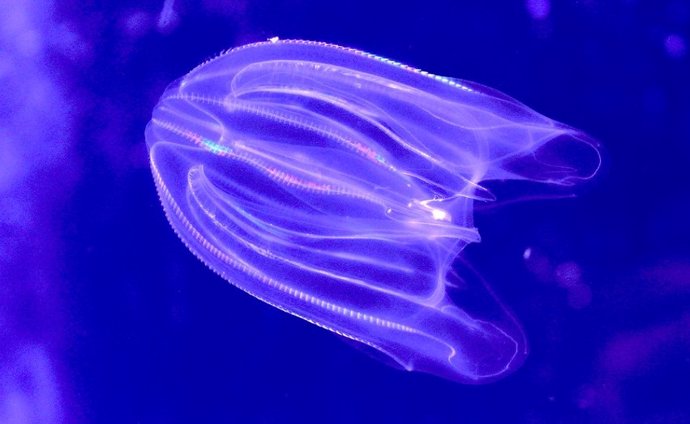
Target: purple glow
[(136, 24), (675, 45), (168, 16), (339, 186), (538, 9), (28, 387), (36, 119)]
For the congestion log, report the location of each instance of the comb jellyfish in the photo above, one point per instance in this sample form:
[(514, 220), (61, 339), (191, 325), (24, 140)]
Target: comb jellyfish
[(339, 186)]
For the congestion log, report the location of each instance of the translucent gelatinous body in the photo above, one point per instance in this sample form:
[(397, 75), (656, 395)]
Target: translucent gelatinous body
[(339, 186)]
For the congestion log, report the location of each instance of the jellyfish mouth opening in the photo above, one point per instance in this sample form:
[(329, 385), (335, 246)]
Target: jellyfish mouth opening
[(564, 160)]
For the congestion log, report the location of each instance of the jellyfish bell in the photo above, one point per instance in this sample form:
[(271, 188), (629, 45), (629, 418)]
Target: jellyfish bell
[(340, 186)]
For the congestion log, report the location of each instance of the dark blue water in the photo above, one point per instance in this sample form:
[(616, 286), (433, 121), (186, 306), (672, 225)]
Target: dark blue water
[(106, 317)]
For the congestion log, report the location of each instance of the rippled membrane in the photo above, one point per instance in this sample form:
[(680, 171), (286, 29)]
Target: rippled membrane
[(339, 187)]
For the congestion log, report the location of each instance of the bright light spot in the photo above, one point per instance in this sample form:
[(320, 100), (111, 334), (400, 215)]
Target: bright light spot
[(527, 253), (439, 214)]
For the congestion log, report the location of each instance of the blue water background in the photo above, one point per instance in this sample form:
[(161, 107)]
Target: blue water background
[(107, 318)]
